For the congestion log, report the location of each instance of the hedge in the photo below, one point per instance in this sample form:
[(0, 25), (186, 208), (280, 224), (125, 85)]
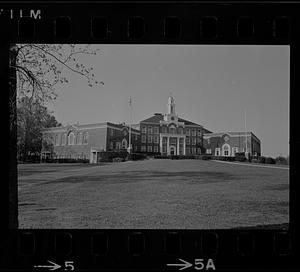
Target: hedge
[(108, 156), (261, 159), (65, 160), (281, 160), (136, 156), (270, 160)]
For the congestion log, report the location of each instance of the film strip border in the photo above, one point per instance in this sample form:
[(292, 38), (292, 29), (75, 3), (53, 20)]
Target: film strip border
[(159, 24), (150, 23), (147, 250)]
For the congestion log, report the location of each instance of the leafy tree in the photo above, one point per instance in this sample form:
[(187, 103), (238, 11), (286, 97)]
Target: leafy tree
[(32, 118), (40, 67)]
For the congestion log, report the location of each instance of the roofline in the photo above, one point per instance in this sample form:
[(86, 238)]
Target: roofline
[(240, 133)]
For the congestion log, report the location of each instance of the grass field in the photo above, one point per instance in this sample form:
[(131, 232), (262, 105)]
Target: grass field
[(179, 194)]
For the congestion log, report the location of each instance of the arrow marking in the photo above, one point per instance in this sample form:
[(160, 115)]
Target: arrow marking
[(184, 265), (54, 266)]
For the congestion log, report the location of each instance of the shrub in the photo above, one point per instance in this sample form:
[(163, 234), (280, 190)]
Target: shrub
[(136, 156), (261, 159), (240, 156), (281, 160), (108, 156), (118, 159), (206, 157), (270, 160)]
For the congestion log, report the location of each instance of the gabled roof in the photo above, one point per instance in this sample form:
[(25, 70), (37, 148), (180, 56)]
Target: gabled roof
[(154, 119), (157, 117)]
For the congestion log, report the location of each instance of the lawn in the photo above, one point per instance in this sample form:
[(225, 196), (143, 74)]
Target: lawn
[(178, 194)]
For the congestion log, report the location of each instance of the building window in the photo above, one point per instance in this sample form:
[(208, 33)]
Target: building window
[(164, 149), (125, 132), (198, 140), (198, 151), (164, 130), (144, 129), (156, 139), (135, 148), (165, 140), (111, 146), (111, 132), (143, 148), (155, 148), (193, 141), (188, 132), (199, 132), (57, 139), (150, 130), (79, 138), (143, 138), (156, 130), (217, 151), (124, 143), (150, 139), (187, 150), (180, 130), (136, 137), (187, 140), (149, 148), (118, 145), (226, 150), (85, 138), (194, 150), (71, 138), (64, 139), (234, 150), (172, 130), (208, 151), (193, 132)]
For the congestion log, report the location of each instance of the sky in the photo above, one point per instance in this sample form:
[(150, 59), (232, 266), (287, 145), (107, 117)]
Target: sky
[(213, 85)]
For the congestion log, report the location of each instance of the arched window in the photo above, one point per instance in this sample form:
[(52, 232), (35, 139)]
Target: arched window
[(85, 138), (57, 139), (124, 143), (64, 139), (71, 138), (172, 130), (226, 150), (79, 138)]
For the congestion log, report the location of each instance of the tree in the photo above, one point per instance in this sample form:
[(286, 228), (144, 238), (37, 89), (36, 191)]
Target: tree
[(32, 118)]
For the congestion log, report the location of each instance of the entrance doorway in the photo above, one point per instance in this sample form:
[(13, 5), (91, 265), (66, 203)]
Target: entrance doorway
[(172, 150)]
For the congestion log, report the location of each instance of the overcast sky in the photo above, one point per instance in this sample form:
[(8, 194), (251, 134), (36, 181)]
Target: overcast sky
[(211, 85)]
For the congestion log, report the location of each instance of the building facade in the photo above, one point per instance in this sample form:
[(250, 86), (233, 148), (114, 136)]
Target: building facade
[(230, 143), (169, 134), (165, 134), (86, 141)]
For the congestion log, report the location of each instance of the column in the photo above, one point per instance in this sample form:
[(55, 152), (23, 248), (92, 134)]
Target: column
[(168, 147), (160, 144), (183, 146), (178, 145)]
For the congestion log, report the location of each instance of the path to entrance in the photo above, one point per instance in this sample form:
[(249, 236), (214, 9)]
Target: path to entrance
[(154, 193), (255, 165)]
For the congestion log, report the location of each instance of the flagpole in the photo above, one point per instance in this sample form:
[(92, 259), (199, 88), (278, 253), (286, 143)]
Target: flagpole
[(246, 139), (130, 121)]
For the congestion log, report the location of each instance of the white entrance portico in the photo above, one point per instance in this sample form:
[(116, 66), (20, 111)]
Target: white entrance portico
[(172, 144)]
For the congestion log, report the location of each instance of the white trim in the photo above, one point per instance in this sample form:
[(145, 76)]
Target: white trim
[(223, 151)]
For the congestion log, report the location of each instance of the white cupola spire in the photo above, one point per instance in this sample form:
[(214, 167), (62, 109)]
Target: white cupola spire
[(171, 105)]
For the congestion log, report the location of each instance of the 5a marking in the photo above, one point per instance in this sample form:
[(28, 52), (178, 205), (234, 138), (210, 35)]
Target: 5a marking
[(199, 264)]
